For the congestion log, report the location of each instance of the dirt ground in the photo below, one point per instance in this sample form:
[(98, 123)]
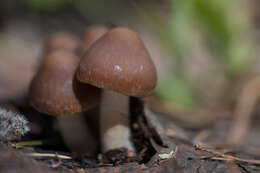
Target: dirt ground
[(195, 150)]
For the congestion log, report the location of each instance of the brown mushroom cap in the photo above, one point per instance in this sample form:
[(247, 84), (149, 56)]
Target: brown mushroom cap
[(92, 34), (55, 90), (120, 62), (62, 41)]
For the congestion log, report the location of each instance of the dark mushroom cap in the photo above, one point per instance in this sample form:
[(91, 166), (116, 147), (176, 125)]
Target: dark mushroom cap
[(92, 34), (62, 41), (120, 62), (55, 90)]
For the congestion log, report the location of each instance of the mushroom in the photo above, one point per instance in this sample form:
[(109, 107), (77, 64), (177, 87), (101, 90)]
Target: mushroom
[(55, 91), (120, 64), (62, 41), (92, 34)]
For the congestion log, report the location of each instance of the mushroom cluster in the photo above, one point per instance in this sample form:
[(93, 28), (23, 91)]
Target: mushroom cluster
[(115, 65), (56, 91)]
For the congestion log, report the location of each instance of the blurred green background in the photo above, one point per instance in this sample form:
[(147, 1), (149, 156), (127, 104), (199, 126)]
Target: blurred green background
[(204, 50)]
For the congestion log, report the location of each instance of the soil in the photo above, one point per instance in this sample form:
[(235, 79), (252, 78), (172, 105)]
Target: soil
[(157, 151)]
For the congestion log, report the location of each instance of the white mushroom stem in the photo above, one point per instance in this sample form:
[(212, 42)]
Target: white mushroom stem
[(76, 134), (114, 121)]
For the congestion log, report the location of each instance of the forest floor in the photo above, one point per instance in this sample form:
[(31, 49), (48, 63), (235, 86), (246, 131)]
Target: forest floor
[(161, 145)]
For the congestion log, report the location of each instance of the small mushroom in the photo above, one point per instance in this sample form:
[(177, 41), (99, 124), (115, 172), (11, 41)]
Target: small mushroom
[(92, 34), (55, 90), (120, 64), (62, 41)]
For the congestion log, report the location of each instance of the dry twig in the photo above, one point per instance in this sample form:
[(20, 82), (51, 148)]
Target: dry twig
[(59, 156), (243, 111), (225, 157)]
